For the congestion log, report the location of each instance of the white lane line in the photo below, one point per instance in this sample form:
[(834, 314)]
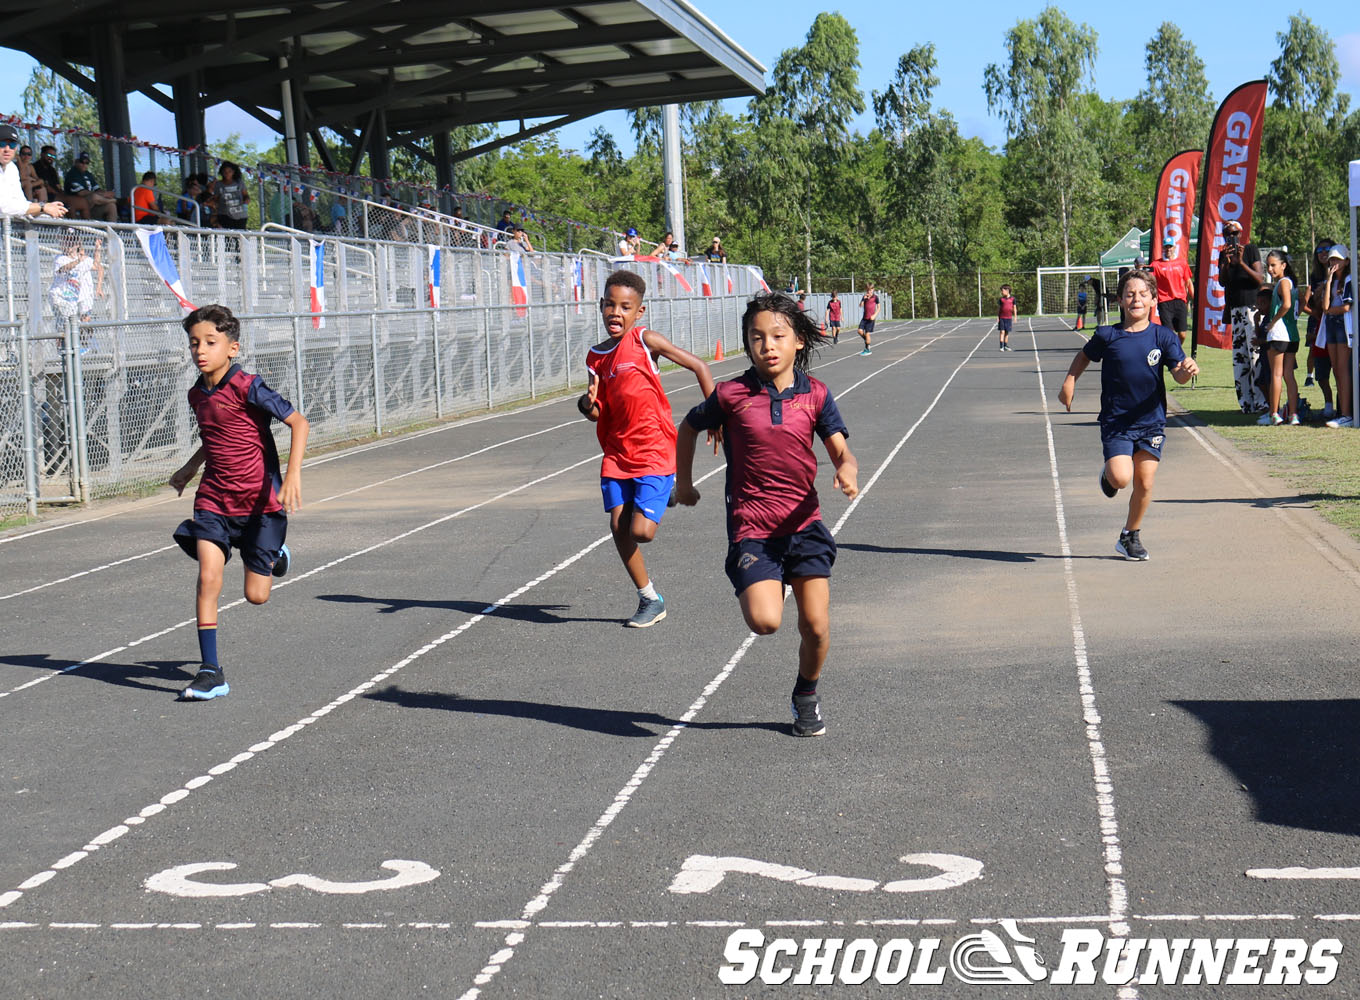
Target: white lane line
[(87, 572), (1304, 873), (1115, 886), (303, 576), (536, 905), (623, 924)]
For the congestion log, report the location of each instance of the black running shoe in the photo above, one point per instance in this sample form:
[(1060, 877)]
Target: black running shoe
[(807, 716), (1105, 486), (284, 560), (210, 683), (1130, 547)]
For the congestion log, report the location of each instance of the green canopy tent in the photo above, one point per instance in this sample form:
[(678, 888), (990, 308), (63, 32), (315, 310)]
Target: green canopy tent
[(1137, 242)]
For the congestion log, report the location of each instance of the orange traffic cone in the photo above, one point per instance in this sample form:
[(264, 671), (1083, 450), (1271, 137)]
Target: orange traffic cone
[(718, 355)]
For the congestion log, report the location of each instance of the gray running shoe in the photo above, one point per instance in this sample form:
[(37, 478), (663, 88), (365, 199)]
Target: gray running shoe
[(807, 716), (1130, 547), (648, 613)]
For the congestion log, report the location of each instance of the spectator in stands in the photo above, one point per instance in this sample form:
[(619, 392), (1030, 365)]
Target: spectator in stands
[(521, 241), (95, 202), (76, 279), (715, 253), (631, 244), (463, 233), (146, 203), (506, 225), (33, 187), (46, 169), (304, 216), (663, 249), (1241, 272), (1175, 288), (187, 207), (674, 252), (1319, 362), (12, 200), (232, 197)]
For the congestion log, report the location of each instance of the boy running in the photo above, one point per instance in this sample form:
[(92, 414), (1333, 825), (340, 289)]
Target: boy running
[(1005, 316), (241, 502), (869, 303), (833, 318), (635, 429), (775, 533), (1132, 398)]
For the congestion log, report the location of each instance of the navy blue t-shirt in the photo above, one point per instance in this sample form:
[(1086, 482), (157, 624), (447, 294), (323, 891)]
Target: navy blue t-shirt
[(1132, 394)]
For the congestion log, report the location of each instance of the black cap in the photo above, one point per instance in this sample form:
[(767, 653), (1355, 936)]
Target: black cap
[(83, 158), (8, 133)]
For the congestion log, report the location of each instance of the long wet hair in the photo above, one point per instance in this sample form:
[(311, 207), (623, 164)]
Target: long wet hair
[(778, 302)]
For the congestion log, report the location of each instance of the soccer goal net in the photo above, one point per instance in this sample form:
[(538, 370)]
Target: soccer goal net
[(1058, 288)]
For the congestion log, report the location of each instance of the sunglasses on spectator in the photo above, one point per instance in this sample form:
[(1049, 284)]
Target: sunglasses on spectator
[(9, 145)]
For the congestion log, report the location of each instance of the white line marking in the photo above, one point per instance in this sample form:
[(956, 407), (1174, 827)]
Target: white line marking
[(1304, 873), (621, 800), (1116, 888)]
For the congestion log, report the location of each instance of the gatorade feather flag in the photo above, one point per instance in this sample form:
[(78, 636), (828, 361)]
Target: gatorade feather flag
[(755, 273), (578, 284), (158, 255), (436, 263), (317, 280), (705, 285), (1229, 193), (1174, 207), (675, 273), (519, 285)]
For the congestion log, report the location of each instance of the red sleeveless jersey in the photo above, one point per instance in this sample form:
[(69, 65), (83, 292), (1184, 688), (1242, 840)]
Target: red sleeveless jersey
[(635, 429)]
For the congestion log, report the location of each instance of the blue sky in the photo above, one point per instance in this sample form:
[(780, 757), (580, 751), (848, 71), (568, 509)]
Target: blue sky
[(964, 47)]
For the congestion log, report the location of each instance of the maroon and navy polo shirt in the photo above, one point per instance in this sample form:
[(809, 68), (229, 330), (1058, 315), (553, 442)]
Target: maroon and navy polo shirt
[(241, 476), (767, 438)]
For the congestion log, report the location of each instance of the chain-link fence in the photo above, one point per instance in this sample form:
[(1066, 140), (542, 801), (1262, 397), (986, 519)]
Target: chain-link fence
[(94, 365)]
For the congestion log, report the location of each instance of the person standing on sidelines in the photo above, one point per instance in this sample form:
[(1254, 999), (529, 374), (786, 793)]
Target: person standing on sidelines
[(868, 303), (1241, 273), (12, 200), (1132, 399), (1005, 316), (1319, 363), (1081, 304), (242, 501), (767, 417), (1175, 288), (833, 318), (1282, 338), (636, 431), (1338, 327)]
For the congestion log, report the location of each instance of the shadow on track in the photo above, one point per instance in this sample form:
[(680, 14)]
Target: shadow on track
[(1299, 760), (609, 722), (536, 614), (989, 555), (172, 673)]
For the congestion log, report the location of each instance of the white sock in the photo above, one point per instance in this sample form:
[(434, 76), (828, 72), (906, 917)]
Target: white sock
[(648, 591)]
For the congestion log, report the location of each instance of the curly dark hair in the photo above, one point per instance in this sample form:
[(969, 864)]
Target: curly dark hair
[(219, 316), (627, 279), (778, 302)]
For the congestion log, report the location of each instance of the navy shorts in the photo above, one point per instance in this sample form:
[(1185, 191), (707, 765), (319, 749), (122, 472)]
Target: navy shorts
[(867, 325), (258, 536), (1004, 325), (1126, 443), (810, 552)]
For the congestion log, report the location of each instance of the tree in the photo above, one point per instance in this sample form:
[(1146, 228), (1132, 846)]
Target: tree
[(924, 146), (1050, 62), (58, 103), (1300, 144), (1175, 109)]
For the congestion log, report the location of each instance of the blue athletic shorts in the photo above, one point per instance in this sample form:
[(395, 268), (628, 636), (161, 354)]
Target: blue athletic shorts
[(648, 494), (867, 325), (1004, 325), (258, 536), (810, 552), (1150, 441)]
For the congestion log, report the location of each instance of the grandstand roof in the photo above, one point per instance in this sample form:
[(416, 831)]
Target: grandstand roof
[(429, 65)]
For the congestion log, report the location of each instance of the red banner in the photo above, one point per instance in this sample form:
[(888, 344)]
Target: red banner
[(1229, 193), (1174, 209)]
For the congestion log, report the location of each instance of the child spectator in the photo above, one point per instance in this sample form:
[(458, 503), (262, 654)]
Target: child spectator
[(774, 523), (146, 208), (1132, 399), (869, 304), (1282, 338), (635, 429), (1005, 316), (1339, 330), (802, 302), (242, 502), (1081, 304), (833, 318)]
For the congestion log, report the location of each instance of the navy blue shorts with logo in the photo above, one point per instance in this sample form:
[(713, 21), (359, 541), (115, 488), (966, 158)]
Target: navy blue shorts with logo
[(810, 552), (258, 536), (1149, 439)]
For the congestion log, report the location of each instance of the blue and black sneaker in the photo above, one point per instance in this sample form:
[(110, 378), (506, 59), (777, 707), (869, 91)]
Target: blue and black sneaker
[(210, 683), (284, 560), (807, 716), (649, 612)]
